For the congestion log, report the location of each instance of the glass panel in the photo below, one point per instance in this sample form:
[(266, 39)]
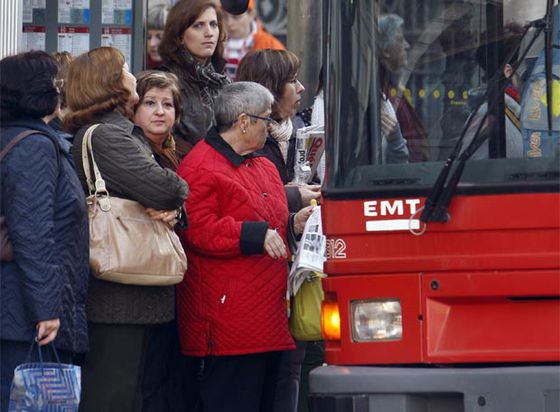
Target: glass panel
[(405, 79), (155, 22)]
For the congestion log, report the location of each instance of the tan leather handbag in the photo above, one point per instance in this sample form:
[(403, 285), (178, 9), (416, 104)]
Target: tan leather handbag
[(125, 244)]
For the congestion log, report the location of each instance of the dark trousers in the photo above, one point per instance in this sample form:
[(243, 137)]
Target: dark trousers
[(184, 387), (314, 357), (243, 383), (13, 354), (127, 368), (288, 382)]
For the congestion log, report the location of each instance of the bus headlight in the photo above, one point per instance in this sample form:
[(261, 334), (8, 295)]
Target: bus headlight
[(376, 320)]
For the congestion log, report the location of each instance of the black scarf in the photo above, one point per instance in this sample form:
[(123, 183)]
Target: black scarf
[(191, 71)]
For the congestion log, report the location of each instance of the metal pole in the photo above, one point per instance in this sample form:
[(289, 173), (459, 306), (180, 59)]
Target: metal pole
[(305, 39), (11, 15)]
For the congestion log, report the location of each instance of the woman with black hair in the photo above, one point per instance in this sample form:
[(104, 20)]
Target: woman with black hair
[(44, 283)]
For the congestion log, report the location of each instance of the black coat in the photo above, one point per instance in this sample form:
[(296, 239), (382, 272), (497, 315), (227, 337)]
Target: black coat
[(198, 92), (46, 215), (271, 151)]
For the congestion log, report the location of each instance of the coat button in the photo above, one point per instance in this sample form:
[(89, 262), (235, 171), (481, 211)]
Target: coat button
[(265, 194)]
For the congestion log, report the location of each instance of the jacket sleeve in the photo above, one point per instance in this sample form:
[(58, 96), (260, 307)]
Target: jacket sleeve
[(127, 169), (294, 198), (394, 147), (210, 232), (30, 187)]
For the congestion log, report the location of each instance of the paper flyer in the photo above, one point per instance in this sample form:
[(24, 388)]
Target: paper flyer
[(311, 253)]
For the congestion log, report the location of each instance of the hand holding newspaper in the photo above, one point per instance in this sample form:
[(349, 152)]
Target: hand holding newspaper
[(310, 145), (310, 255)]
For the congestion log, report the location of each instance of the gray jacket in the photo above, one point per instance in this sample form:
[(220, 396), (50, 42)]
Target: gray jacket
[(130, 171)]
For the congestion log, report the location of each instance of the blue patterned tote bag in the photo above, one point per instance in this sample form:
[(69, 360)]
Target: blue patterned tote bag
[(45, 387)]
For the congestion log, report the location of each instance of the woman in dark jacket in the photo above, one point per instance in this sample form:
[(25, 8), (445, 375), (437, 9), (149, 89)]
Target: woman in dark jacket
[(157, 111), (124, 320), (277, 71), (192, 49), (44, 287)]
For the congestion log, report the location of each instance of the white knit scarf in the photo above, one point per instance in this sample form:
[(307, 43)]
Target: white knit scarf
[(281, 132)]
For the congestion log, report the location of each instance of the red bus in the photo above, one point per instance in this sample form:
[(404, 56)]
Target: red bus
[(443, 227)]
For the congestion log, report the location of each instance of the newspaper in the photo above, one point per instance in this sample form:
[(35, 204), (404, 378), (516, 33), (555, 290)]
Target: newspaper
[(310, 145), (311, 253)]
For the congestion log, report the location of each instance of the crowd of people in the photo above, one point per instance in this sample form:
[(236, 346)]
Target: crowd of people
[(212, 159), (205, 141)]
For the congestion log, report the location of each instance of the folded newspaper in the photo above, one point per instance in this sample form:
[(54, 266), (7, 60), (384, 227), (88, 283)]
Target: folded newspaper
[(310, 145), (311, 253)]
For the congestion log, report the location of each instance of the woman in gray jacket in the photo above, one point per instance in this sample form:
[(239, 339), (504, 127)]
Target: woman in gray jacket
[(124, 320)]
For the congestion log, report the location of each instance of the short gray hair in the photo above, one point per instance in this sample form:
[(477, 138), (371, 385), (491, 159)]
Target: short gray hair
[(157, 15), (388, 26), (240, 97)]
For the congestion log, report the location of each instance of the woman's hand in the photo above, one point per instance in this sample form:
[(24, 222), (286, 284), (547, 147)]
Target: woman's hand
[(300, 219), (171, 217), (388, 123), (309, 192), (47, 330), (274, 245)]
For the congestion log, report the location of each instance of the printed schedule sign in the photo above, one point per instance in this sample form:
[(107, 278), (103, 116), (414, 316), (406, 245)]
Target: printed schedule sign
[(34, 38), (116, 12), (73, 39), (73, 11), (33, 8), (119, 38), (77, 26)]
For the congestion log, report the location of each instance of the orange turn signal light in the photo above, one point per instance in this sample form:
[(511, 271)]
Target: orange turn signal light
[(330, 321)]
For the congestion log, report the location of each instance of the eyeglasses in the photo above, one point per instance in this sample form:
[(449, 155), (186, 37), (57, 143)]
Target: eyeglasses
[(268, 120), (58, 83)]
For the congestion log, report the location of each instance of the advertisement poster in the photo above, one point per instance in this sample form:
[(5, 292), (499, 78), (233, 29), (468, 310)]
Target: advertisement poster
[(73, 11), (34, 9), (73, 39), (116, 12), (34, 38), (119, 38)]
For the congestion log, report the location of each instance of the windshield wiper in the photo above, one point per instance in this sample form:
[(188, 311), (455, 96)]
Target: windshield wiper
[(548, 62), (437, 202)]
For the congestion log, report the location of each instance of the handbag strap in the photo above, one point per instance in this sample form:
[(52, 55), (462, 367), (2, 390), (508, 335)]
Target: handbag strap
[(35, 342), (16, 140), (86, 153), (96, 187)]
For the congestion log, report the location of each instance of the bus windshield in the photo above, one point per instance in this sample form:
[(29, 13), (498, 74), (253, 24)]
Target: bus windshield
[(406, 81)]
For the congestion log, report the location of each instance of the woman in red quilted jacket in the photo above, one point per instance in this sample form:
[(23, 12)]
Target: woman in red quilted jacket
[(231, 306)]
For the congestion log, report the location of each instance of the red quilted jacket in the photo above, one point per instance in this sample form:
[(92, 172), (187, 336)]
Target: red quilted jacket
[(232, 300)]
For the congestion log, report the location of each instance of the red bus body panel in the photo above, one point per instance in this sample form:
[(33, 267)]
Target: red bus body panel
[(484, 287)]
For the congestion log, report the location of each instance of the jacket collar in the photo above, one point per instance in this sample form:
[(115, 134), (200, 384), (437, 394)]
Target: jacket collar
[(38, 124), (30, 123), (117, 119), (214, 139)]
